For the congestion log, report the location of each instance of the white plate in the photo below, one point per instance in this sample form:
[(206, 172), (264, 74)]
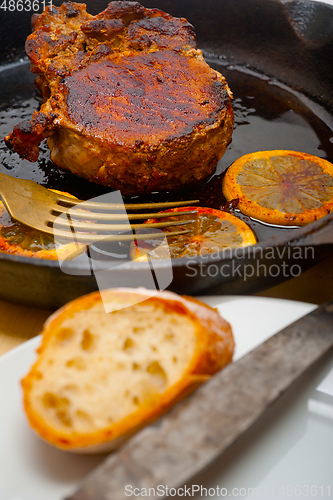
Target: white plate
[(290, 445)]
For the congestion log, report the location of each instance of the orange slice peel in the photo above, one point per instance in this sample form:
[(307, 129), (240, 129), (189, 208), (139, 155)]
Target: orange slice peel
[(281, 187), (212, 232)]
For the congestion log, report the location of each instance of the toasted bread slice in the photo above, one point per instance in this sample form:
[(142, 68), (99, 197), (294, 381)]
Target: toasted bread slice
[(101, 376)]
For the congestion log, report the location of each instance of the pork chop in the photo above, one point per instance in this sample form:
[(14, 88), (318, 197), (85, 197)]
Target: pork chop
[(129, 101)]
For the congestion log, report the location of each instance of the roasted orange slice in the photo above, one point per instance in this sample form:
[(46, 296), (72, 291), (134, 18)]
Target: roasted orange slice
[(18, 239), (212, 232), (281, 187)]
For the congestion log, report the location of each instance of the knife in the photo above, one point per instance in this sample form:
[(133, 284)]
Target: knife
[(195, 432)]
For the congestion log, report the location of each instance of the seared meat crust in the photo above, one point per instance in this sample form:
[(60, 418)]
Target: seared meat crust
[(129, 102)]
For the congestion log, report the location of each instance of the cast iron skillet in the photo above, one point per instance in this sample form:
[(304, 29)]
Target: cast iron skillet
[(285, 43)]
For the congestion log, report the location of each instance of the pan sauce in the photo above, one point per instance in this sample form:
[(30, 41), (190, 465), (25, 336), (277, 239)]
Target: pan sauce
[(268, 115)]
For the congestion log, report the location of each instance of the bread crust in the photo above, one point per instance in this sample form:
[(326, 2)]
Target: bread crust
[(214, 349)]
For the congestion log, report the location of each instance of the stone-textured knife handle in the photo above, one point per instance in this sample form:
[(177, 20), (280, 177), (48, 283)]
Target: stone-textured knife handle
[(199, 429)]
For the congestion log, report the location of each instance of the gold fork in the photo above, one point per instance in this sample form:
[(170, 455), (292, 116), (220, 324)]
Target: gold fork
[(41, 209)]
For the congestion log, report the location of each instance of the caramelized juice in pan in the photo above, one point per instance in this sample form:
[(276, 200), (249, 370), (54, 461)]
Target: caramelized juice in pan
[(268, 116)]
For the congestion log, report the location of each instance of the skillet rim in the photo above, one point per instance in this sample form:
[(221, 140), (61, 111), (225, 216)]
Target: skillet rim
[(285, 239), (272, 242)]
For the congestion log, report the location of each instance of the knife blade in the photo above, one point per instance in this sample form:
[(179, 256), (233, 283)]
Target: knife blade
[(195, 432)]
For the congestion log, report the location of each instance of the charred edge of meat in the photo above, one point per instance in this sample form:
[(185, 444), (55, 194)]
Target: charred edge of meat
[(27, 135), (44, 47), (71, 9), (127, 11), (103, 29), (164, 31), (68, 9), (102, 51)]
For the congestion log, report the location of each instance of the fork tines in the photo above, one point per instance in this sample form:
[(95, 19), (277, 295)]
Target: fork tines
[(69, 220)]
